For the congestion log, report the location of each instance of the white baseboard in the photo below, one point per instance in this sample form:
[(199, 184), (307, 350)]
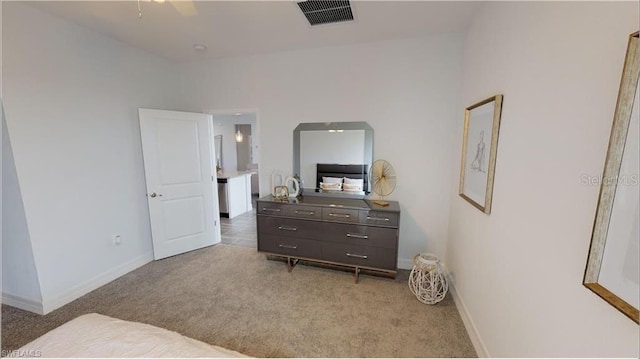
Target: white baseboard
[(98, 281), (22, 303), (472, 330)]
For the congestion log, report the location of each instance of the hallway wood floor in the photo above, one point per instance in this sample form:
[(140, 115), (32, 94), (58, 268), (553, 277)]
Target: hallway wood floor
[(240, 230)]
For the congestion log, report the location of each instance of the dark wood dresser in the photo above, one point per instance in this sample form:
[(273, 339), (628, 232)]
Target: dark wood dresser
[(346, 232)]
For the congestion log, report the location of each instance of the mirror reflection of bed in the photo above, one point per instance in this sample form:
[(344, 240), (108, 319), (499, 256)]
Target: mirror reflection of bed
[(346, 179), (340, 151)]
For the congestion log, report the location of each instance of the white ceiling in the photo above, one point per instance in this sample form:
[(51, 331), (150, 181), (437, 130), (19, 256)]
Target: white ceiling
[(238, 28)]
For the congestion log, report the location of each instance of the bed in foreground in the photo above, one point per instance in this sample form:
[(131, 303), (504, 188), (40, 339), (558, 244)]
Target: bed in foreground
[(95, 335)]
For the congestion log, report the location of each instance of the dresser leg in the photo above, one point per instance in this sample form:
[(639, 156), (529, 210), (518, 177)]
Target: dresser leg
[(355, 275), (291, 263)]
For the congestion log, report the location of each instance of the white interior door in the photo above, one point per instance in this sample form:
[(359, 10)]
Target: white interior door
[(182, 187)]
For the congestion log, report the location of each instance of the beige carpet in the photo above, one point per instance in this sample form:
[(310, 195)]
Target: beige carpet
[(233, 297)]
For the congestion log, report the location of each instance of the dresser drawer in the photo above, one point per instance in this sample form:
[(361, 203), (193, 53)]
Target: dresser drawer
[(364, 256), (291, 246), (380, 218), (275, 209), (360, 235), (340, 215), (306, 212), (289, 227)]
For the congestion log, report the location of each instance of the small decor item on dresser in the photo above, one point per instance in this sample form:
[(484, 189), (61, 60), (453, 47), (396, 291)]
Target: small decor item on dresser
[(281, 193), (383, 181), (427, 281), (300, 184), (277, 179), (293, 186)]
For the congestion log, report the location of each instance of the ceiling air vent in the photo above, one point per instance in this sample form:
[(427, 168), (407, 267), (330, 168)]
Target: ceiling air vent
[(326, 12)]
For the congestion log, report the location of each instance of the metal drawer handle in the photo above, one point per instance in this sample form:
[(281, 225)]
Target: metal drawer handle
[(311, 213), (386, 219), (356, 256), (339, 215), (283, 228), (287, 246), (361, 236), (270, 209)]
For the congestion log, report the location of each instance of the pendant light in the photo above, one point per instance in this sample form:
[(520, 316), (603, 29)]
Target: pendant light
[(239, 136)]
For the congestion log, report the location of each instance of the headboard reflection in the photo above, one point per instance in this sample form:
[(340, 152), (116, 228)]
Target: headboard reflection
[(341, 171)]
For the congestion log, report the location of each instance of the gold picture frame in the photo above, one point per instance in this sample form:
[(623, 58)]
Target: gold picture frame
[(478, 163), (607, 272)]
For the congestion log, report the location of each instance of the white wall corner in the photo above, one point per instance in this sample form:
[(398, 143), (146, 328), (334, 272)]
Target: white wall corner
[(404, 263), (23, 303), (75, 292), (472, 330)]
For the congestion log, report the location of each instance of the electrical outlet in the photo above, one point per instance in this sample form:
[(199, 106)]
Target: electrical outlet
[(117, 239)]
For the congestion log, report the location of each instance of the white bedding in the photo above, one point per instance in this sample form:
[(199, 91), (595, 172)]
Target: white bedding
[(95, 335)]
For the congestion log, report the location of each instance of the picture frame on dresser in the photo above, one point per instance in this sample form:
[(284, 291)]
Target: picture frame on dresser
[(479, 151), (612, 270)]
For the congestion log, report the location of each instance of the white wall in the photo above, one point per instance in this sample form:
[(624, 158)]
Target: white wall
[(71, 98), (407, 90), (519, 271), (20, 280)]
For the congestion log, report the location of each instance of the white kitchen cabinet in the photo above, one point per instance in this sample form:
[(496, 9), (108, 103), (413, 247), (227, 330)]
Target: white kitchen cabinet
[(234, 193)]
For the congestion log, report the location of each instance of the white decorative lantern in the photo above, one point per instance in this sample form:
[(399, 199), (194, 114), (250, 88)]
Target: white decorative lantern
[(427, 281)]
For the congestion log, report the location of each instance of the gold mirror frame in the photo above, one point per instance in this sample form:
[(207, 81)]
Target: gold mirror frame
[(617, 140)]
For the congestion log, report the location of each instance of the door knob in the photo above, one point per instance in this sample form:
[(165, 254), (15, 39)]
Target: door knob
[(153, 195)]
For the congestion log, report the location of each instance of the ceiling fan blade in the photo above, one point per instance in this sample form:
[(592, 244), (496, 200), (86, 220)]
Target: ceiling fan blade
[(184, 7)]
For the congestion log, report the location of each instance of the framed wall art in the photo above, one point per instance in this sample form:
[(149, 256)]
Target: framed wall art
[(613, 269), (479, 149)]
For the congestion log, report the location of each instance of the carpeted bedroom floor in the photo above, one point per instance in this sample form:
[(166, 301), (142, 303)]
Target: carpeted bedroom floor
[(233, 297)]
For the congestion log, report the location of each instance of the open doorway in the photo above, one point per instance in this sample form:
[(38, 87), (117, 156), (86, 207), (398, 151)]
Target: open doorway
[(237, 135), (238, 161)]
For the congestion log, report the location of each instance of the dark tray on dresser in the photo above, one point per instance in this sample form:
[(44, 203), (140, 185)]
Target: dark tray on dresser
[(353, 233)]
